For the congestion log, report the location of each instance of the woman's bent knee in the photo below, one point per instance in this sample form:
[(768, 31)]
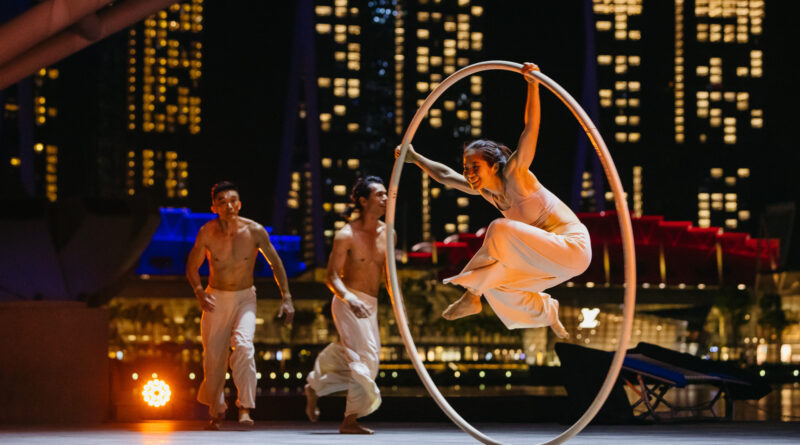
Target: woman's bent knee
[(499, 225)]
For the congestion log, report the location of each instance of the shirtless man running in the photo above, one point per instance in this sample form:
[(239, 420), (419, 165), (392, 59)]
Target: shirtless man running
[(355, 268), (231, 244)]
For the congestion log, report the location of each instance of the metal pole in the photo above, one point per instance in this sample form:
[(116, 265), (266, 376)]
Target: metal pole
[(67, 42), (38, 23)]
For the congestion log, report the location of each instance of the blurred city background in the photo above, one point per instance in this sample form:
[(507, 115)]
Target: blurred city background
[(115, 125)]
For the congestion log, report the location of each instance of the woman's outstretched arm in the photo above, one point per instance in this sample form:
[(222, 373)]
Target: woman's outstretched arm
[(438, 171), (526, 147)]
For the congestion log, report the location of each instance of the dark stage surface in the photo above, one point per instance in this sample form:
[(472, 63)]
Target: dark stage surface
[(189, 432)]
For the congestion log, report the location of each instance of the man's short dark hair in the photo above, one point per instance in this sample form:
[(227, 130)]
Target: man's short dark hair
[(362, 189), (221, 187)]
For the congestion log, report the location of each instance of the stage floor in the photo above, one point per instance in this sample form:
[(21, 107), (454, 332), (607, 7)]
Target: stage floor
[(291, 433)]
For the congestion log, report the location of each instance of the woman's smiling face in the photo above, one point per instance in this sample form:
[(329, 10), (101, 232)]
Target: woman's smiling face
[(477, 171)]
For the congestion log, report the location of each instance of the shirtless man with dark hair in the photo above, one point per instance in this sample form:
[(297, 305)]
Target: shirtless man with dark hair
[(231, 244), (355, 270)]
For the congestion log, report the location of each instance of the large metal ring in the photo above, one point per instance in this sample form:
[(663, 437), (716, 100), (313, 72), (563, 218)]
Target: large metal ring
[(626, 233)]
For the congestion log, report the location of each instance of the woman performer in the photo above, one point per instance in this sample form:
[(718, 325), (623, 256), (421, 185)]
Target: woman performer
[(539, 243)]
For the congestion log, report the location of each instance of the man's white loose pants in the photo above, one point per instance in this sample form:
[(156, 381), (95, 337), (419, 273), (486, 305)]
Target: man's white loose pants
[(231, 326)]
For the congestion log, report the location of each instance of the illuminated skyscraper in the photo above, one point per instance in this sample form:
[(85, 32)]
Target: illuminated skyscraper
[(366, 93), (722, 60), (717, 101), (618, 38), (436, 37), (433, 39), (354, 76), (343, 79), (165, 68), (29, 135)]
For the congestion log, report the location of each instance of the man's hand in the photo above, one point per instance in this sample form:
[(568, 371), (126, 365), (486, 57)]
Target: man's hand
[(207, 301), (357, 306), (287, 309)]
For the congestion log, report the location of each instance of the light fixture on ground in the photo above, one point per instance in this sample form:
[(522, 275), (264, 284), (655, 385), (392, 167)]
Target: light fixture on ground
[(156, 393)]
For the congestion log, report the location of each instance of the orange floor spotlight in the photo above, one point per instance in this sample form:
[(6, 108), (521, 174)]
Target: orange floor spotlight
[(156, 393)]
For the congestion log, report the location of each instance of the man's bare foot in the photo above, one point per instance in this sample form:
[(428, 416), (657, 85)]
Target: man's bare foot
[(215, 423), (468, 304), (244, 417), (312, 411), (351, 426)]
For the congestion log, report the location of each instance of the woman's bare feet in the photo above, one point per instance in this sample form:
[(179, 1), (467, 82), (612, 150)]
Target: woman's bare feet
[(468, 304), (244, 417), (559, 330), (557, 327), (312, 411), (351, 426)]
